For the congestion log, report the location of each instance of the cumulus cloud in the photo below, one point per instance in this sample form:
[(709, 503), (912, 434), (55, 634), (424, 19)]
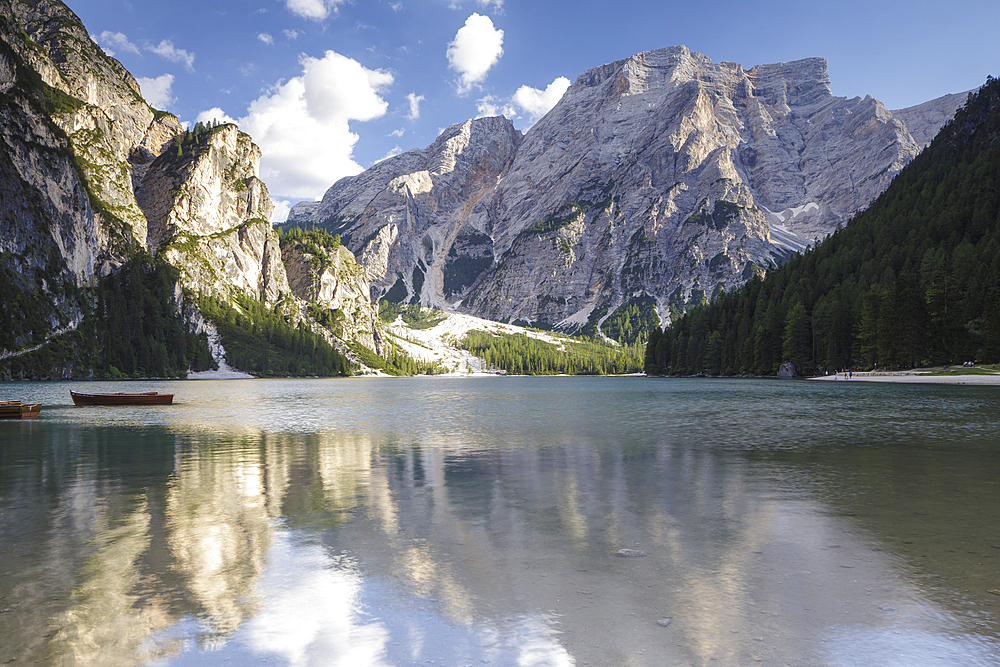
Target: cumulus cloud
[(477, 46), (156, 91), (414, 101), (215, 113), (495, 106), (317, 10), (115, 40), (166, 49), (266, 38), (303, 125), (282, 207), (536, 103)]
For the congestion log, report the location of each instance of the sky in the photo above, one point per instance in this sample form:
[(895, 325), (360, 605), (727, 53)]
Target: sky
[(327, 88)]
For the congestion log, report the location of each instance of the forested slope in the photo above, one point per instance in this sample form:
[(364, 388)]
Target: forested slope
[(913, 280)]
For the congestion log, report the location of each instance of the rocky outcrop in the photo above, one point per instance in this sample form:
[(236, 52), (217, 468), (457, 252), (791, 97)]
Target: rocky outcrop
[(332, 279), (92, 119), (70, 118), (925, 120), (91, 177), (208, 214), (403, 217), (664, 174)]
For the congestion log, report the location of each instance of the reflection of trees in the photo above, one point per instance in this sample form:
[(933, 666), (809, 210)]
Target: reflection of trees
[(79, 532), (517, 525)]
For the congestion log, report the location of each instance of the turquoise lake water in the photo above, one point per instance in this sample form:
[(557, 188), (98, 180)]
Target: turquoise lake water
[(471, 521)]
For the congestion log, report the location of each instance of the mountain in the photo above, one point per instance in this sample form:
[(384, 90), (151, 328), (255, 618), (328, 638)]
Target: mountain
[(118, 228), (664, 175), (914, 280), (131, 246)]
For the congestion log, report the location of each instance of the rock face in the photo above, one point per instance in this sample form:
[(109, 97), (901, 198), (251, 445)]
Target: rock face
[(925, 120), (407, 217), (92, 177), (91, 120), (332, 279), (70, 120), (209, 215), (664, 174)]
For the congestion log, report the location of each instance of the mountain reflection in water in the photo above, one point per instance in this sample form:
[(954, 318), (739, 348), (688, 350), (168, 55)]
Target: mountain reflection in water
[(470, 521)]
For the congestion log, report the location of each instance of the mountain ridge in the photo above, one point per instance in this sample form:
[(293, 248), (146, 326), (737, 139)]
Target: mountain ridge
[(662, 174)]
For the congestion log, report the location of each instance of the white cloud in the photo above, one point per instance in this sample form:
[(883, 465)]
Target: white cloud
[(166, 49), (398, 133), (266, 38), (156, 91), (317, 10), (536, 103), (291, 34), (496, 5), (476, 48), (414, 101), (494, 106), (282, 207), (302, 125), (215, 113), (393, 152), (116, 40)]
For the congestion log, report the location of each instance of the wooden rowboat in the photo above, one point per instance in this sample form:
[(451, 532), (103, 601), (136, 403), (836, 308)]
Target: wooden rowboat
[(122, 398), (19, 410)]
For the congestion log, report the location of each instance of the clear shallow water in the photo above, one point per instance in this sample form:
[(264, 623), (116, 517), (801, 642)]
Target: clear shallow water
[(477, 521)]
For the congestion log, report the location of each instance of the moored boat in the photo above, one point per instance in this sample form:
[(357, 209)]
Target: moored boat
[(122, 398), (19, 410)]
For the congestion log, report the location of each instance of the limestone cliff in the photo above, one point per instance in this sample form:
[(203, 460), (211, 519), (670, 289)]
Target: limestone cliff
[(925, 120), (332, 279), (70, 119), (407, 216), (208, 214), (92, 178), (663, 174)]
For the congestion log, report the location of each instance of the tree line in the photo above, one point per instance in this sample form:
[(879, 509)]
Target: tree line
[(264, 342), (130, 328), (520, 354), (912, 281)]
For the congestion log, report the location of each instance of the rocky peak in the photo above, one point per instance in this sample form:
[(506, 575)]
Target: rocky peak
[(209, 215), (662, 174), (424, 196), (93, 108), (205, 185), (797, 83)]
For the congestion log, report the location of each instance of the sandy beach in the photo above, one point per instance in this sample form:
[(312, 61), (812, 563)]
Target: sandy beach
[(917, 376)]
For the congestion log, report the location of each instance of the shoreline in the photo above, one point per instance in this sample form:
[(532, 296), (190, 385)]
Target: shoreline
[(916, 376)]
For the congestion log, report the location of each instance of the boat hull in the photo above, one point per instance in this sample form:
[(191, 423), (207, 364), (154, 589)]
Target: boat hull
[(18, 410), (122, 398)]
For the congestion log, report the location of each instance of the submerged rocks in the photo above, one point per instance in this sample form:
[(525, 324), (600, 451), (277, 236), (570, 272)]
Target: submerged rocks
[(630, 553)]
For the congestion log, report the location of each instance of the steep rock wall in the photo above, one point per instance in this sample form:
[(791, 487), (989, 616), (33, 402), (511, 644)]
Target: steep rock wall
[(663, 174), (208, 214)]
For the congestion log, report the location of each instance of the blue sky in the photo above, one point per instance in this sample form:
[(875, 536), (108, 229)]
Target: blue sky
[(328, 87)]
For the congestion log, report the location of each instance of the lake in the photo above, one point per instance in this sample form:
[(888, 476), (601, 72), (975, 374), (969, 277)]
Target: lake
[(503, 521)]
